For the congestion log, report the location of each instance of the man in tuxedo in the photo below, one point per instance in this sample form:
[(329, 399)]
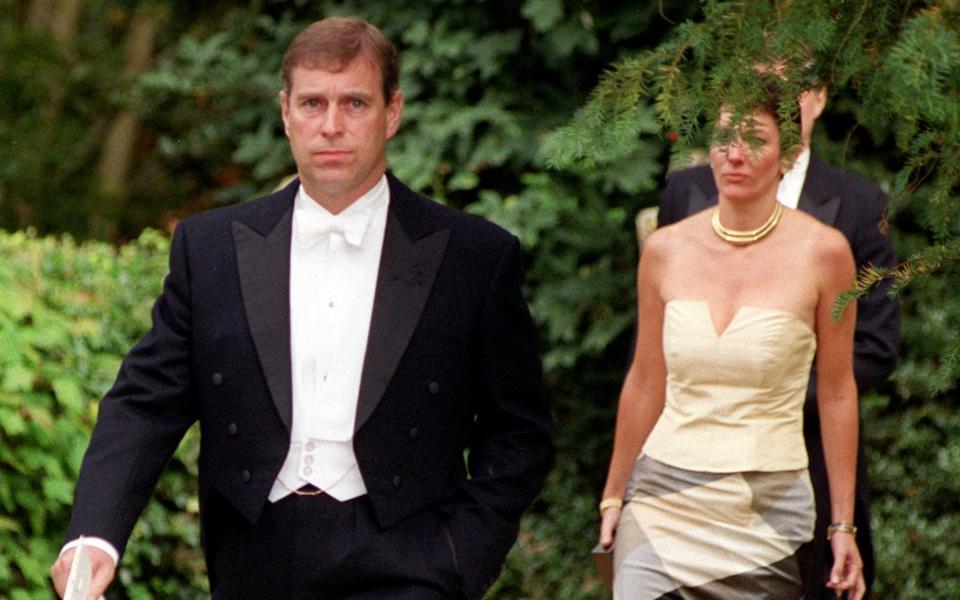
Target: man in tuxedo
[(360, 359), (855, 207)]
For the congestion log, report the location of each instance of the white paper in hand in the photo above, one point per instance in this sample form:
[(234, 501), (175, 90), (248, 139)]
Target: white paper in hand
[(78, 584)]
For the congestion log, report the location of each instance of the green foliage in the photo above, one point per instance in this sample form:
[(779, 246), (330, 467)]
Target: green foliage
[(483, 85), (899, 64), (487, 86), (894, 73), (68, 313), (916, 485), (56, 98)]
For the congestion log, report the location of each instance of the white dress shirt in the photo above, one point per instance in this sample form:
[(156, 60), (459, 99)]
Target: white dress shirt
[(791, 184), (334, 260)]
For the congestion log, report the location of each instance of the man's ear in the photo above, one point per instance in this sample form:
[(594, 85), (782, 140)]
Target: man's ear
[(394, 111), (284, 100), (816, 100), (812, 102)]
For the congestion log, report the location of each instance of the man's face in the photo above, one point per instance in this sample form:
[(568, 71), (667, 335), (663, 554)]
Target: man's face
[(338, 124), (745, 171)]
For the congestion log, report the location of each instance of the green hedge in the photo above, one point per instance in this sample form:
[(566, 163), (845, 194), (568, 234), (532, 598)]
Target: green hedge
[(68, 313)]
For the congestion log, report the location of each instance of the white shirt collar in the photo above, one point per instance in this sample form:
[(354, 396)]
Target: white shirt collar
[(791, 184), (352, 222)]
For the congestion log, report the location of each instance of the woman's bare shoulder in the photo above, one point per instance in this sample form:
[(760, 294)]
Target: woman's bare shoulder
[(824, 244), (820, 234), (672, 238)]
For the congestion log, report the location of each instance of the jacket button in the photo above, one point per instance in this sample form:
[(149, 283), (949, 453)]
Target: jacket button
[(397, 481), (434, 387), (245, 475), (217, 379), (414, 433), (232, 429)]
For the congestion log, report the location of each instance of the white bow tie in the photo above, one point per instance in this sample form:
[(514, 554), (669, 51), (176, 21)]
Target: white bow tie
[(313, 226)]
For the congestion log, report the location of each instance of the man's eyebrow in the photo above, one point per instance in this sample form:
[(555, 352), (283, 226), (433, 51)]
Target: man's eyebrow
[(343, 94), (303, 94), (357, 94)]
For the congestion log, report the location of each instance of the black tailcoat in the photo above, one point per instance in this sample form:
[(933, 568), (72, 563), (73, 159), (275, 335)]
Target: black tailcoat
[(451, 364)]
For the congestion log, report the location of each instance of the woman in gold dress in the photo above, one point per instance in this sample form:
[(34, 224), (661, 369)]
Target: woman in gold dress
[(707, 493)]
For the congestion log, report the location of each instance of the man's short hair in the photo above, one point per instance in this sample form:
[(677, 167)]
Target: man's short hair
[(333, 43)]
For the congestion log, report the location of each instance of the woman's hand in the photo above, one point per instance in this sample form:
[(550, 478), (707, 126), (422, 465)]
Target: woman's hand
[(847, 572), (609, 519)]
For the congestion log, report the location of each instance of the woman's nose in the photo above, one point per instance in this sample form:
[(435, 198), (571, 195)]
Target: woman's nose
[(735, 152)]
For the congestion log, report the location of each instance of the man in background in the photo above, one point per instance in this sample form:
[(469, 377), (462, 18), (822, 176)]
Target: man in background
[(342, 342), (855, 207)]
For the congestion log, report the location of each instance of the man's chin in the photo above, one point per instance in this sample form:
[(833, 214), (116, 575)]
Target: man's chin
[(335, 188)]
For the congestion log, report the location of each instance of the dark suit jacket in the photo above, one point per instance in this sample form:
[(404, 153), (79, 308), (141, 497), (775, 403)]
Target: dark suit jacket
[(855, 206), (451, 363)]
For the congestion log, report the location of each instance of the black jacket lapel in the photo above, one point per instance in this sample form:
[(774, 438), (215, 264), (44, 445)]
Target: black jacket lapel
[(263, 262), (700, 200), (408, 265), (816, 198)]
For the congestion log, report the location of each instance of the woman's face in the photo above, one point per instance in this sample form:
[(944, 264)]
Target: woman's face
[(748, 167)]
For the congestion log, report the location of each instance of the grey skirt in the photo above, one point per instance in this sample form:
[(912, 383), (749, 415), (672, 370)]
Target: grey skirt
[(695, 535)]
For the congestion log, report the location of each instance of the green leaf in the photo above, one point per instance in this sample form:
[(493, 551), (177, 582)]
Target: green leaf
[(544, 14), (17, 378), (12, 423), (69, 393), (58, 490), (8, 524)]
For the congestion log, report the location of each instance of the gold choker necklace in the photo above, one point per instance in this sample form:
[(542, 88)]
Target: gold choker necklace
[(736, 236)]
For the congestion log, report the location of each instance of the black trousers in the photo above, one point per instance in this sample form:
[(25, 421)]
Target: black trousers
[(816, 557), (314, 547)]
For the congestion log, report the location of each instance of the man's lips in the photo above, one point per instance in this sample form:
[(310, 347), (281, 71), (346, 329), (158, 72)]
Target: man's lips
[(333, 153)]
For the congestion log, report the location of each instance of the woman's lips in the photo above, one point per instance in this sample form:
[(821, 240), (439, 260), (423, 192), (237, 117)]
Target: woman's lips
[(735, 177)]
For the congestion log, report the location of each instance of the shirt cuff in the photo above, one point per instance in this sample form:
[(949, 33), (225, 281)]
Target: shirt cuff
[(99, 543)]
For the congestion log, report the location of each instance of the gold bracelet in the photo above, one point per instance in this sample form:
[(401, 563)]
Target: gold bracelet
[(841, 527), (610, 503)]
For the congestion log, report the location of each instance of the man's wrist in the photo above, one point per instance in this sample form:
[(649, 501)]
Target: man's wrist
[(95, 542)]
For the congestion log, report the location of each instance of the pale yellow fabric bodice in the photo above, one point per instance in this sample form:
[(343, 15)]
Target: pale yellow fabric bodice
[(734, 400)]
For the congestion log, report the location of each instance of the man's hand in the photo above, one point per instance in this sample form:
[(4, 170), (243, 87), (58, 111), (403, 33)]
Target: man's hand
[(102, 566)]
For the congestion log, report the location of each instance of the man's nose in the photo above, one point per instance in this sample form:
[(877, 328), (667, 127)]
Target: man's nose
[(332, 121)]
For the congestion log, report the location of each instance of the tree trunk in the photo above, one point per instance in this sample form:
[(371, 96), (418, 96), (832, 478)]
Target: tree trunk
[(63, 25), (60, 18), (40, 14), (117, 154)]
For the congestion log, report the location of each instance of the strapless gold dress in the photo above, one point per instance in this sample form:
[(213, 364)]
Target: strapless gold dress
[(719, 500)]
